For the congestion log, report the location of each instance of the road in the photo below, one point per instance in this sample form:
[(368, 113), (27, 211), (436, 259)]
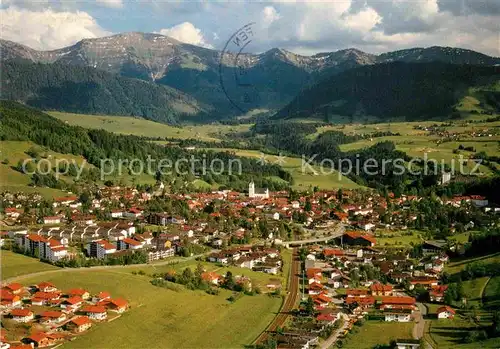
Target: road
[(330, 341), (290, 300), (104, 267)]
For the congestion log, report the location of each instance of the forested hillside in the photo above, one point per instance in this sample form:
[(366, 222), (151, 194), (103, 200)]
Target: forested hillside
[(395, 90), (82, 89), (21, 123)]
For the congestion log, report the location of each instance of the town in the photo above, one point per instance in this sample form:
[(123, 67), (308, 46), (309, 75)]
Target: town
[(356, 256)]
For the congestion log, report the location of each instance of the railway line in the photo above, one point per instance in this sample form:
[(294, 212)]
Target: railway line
[(290, 300)]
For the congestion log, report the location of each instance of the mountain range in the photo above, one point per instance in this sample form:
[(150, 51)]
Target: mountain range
[(220, 85)]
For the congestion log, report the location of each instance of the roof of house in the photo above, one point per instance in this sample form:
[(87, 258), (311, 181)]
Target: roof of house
[(94, 309), (81, 320), (13, 286), (445, 308), (74, 300), (132, 242), (51, 314), (397, 300), (378, 287), (21, 312), (332, 252), (45, 284)]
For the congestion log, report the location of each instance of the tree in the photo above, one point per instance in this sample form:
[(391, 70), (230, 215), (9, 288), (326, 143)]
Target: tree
[(229, 281), (309, 307)]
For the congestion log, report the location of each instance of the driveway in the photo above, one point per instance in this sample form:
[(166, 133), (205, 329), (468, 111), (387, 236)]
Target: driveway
[(335, 335)]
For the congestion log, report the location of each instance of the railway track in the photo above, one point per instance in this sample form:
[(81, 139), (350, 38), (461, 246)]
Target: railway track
[(290, 300)]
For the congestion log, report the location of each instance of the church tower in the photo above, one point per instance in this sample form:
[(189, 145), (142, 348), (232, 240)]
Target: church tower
[(251, 189)]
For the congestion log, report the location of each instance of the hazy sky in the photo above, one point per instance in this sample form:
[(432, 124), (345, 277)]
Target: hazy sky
[(305, 27)]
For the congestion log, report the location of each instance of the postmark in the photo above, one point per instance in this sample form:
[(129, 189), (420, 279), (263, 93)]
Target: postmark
[(236, 69)]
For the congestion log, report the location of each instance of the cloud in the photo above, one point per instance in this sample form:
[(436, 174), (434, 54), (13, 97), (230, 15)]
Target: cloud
[(48, 29), (186, 32), (270, 15), (111, 3)]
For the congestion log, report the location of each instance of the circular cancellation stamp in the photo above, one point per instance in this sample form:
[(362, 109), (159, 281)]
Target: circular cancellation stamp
[(236, 69)]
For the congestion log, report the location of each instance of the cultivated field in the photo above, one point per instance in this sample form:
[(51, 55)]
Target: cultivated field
[(376, 332), (162, 318), (142, 127), (14, 264)]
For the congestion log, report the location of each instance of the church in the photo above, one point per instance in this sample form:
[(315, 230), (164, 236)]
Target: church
[(259, 193)]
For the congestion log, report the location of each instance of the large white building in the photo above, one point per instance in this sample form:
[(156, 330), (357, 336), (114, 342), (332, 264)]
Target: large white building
[(257, 193)]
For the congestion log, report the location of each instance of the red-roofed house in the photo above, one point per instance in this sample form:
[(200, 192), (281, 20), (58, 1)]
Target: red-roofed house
[(50, 317), (79, 324), (101, 296), (42, 298), (100, 249), (315, 288), (445, 312), (117, 305), (84, 294), (436, 293), (8, 299), (14, 288), (46, 287), (72, 303), (95, 312), (379, 289), (322, 300), (332, 252), (358, 239), (129, 244), (22, 315)]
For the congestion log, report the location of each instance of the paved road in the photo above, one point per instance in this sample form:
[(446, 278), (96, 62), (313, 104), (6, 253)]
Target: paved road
[(290, 300), (330, 341), (104, 267)]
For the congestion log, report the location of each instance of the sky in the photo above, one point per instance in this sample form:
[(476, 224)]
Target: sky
[(304, 27)]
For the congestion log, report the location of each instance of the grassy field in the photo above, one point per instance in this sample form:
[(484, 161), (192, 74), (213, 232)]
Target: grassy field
[(161, 318), (142, 127), (456, 265), (474, 290), (14, 264), (375, 332), (11, 180), (397, 238), (449, 333), (303, 179), (491, 295)]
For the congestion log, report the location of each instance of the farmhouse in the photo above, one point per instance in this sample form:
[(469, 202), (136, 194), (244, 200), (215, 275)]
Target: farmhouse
[(14, 288), (72, 303), (50, 317), (41, 339), (117, 305), (22, 315), (445, 312), (79, 324), (95, 312), (80, 292)]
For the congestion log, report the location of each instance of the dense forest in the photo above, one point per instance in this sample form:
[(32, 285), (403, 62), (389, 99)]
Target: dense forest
[(409, 90), (87, 90), (21, 123)]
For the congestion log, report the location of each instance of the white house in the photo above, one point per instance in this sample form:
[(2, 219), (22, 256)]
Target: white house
[(22, 315), (445, 312), (399, 315)]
